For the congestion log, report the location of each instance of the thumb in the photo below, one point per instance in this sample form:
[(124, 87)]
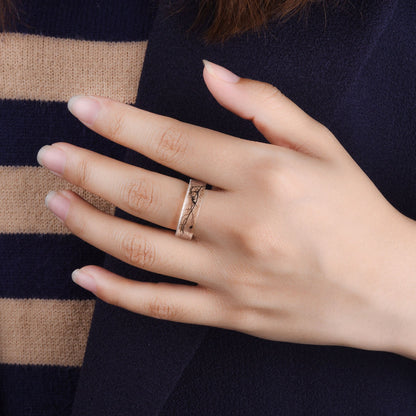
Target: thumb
[(278, 118)]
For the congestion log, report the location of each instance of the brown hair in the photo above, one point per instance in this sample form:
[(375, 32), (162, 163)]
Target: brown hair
[(8, 14), (218, 20)]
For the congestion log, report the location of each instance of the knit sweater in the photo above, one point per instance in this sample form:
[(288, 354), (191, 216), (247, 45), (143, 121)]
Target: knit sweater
[(351, 69), (59, 49)]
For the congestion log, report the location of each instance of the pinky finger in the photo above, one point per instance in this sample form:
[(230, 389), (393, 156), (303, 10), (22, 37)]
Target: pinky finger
[(172, 302)]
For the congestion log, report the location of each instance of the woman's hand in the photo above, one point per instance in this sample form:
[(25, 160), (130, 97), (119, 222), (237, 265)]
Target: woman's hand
[(293, 243)]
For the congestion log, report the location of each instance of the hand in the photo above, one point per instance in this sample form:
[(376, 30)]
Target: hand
[(293, 243)]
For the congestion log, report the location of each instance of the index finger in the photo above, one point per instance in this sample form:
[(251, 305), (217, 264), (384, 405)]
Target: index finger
[(204, 154)]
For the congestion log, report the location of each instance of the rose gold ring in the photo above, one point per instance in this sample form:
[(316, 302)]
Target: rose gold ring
[(190, 209)]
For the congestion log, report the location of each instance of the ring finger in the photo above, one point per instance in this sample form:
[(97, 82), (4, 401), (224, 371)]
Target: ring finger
[(148, 195)]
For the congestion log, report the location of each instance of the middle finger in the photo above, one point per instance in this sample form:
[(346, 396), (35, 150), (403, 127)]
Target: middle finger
[(208, 155)]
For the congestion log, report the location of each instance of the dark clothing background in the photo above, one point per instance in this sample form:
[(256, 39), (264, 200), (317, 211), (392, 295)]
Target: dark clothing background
[(354, 71)]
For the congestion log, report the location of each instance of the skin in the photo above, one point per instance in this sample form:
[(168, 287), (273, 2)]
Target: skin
[(295, 244)]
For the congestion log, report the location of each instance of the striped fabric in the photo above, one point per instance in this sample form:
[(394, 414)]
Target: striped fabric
[(58, 49)]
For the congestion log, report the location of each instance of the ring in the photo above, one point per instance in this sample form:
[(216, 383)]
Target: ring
[(190, 209)]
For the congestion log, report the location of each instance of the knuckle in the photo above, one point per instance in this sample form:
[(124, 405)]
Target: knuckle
[(273, 94), (138, 251), (114, 293), (240, 286), (252, 322), (110, 296), (326, 131), (236, 316), (327, 134), (272, 181), (77, 224), (257, 240), (265, 167), (139, 196), (116, 127), (172, 145), (241, 318), (268, 92), (162, 310), (83, 173), (277, 180)]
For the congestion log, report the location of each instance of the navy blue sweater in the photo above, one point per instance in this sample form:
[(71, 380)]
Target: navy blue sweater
[(354, 71)]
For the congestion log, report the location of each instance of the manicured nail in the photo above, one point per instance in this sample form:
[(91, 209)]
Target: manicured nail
[(221, 72), (84, 108), (52, 158), (84, 280), (58, 204)]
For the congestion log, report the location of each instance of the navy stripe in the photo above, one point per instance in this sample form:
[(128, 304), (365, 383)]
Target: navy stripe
[(37, 390), (106, 20), (22, 136), (40, 266)]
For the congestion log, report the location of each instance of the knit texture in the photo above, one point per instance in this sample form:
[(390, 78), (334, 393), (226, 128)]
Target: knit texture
[(59, 49)]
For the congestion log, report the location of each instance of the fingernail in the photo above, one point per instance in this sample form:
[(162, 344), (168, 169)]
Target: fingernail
[(221, 72), (84, 108), (84, 280), (52, 158), (58, 204)]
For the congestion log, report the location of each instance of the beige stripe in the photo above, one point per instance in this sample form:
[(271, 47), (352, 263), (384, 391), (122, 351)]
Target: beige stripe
[(34, 67), (22, 200), (40, 331)]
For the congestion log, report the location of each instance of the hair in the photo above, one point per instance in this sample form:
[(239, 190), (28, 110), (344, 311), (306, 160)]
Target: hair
[(8, 14), (218, 20)]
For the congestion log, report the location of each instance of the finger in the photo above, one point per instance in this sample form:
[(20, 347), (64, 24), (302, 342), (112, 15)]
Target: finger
[(201, 153), (148, 195), (278, 118), (158, 251), (172, 302)]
